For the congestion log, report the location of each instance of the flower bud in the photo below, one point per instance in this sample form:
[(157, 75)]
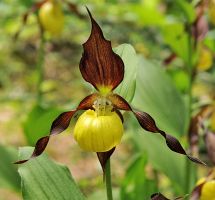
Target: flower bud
[(98, 133), (51, 17)]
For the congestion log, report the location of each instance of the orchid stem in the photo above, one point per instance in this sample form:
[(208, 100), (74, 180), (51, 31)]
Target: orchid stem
[(108, 180)]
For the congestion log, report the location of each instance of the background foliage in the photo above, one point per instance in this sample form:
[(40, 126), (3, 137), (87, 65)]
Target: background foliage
[(165, 76)]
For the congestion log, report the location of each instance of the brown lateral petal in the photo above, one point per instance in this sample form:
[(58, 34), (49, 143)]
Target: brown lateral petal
[(88, 101), (99, 65), (103, 157), (59, 125), (196, 193), (158, 196), (148, 123), (119, 102)]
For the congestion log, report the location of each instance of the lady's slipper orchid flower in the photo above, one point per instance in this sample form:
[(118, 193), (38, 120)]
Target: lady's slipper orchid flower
[(99, 128), (205, 189)]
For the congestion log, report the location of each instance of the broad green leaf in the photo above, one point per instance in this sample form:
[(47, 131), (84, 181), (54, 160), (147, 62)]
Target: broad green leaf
[(9, 178), (127, 88), (38, 122), (157, 95), (43, 179)]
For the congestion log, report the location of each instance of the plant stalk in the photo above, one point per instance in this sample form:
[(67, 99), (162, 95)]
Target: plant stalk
[(108, 180)]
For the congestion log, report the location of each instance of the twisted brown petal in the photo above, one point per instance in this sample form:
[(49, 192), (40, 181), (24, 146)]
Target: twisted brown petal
[(59, 125), (148, 123), (158, 196), (99, 65)]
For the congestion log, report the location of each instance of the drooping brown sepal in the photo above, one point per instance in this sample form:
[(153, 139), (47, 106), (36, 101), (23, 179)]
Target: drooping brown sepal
[(60, 124), (99, 65), (103, 158)]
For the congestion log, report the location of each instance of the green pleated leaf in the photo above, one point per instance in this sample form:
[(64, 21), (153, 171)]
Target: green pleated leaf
[(157, 95), (43, 179), (127, 87), (9, 178)]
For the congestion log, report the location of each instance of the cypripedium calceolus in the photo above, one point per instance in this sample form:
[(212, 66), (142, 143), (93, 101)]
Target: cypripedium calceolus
[(100, 129)]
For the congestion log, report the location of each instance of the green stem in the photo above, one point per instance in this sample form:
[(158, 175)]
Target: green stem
[(108, 180)]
